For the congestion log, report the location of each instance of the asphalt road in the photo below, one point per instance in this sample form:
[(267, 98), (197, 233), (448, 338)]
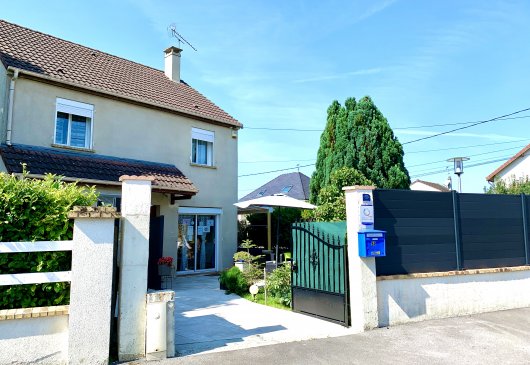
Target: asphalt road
[(491, 338)]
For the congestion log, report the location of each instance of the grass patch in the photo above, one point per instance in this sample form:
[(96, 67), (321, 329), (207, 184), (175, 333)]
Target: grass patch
[(271, 301)]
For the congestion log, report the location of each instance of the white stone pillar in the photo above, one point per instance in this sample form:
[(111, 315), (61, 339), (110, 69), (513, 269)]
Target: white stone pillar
[(91, 286), (134, 256), (362, 275)]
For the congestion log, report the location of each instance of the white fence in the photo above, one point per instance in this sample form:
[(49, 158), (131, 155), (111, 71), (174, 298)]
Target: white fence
[(36, 277), (74, 334)]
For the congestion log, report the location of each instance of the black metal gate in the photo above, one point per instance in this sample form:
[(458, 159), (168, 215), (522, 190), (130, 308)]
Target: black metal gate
[(319, 277)]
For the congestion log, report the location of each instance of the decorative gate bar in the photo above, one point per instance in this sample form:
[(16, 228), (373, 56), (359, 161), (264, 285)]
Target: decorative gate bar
[(320, 271)]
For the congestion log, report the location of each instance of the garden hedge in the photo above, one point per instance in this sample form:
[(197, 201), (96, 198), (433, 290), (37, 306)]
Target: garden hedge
[(37, 210)]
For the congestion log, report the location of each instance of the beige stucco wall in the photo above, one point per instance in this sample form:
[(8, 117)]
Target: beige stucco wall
[(132, 131), (4, 91)]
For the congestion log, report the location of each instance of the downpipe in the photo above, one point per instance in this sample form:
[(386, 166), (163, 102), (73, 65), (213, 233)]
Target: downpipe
[(11, 106)]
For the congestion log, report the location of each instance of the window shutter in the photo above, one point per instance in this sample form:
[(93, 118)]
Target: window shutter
[(202, 135), (75, 108)]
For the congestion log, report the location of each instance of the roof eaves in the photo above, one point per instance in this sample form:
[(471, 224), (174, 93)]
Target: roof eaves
[(491, 176), (118, 95)]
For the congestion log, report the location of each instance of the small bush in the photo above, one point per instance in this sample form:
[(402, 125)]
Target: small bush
[(279, 284), (234, 281)]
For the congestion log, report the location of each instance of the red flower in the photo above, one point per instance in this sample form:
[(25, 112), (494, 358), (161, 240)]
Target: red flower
[(168, 260)]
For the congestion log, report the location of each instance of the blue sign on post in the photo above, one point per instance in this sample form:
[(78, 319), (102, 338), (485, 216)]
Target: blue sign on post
[(372, 243)]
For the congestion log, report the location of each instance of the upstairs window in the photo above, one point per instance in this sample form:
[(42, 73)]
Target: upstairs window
[(261, 193), (73, 123), (286, 189), (202, 147)]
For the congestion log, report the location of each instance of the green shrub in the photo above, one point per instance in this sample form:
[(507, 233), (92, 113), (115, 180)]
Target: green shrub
[(37, 210), (279, 284), (234, 281)]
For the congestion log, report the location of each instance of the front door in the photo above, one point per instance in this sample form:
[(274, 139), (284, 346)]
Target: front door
[(197, 239)]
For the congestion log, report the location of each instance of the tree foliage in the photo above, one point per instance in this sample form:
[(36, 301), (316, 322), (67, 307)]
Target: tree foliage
[(357, 135), (331, 203), (513, 187), (37, 210)]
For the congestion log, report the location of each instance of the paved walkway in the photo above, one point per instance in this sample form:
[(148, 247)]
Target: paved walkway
[(208, 320), (489, 338)]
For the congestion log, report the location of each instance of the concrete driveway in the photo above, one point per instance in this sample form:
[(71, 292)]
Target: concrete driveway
[(490, 338), (208, 320)]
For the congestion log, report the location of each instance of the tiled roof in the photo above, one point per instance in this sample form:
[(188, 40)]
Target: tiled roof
[(436, 186), (78, 165), (68, 62), (491, 176), (299, 190)]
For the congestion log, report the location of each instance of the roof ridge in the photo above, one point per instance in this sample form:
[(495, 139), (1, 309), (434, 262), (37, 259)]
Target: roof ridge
[(301, 183), (80, 45)]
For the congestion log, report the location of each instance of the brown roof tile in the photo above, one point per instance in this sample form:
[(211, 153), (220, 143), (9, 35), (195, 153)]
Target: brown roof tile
[(491, 176), (69, 62), (84, 166)]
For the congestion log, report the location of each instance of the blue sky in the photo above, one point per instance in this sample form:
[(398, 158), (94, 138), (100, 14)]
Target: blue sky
[(279, 64)]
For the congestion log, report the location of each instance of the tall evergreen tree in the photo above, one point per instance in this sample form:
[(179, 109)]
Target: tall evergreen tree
[(357, 135)]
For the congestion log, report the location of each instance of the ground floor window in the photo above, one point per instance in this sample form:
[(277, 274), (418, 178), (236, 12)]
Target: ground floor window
[(197, 242)]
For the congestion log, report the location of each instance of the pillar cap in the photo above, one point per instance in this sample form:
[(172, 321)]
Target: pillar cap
[(359, 187), (134, 177), (93, 212)]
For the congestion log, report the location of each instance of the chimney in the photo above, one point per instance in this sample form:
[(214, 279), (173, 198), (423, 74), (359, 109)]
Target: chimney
[(172, 63)]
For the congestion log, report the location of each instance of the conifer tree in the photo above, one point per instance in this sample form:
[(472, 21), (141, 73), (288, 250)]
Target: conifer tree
[(357, 135)]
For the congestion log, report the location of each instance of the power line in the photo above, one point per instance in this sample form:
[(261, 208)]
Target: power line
[(268, 172), (468, 126), (477, 154), (266, 161), (461, 147), (396, 128), (468, 166)]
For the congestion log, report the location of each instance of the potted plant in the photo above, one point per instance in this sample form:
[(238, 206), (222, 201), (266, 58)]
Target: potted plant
[(243, 259), (165, 266)]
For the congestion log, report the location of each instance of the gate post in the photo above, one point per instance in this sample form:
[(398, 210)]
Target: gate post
[(91, 286), (134, 256), (362, 275)]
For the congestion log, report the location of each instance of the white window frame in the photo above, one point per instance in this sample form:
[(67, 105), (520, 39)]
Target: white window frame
[(72, 107), (206, 136)]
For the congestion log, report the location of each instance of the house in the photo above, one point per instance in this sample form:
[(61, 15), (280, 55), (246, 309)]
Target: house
[(516, 168), (90, 116), (428, 186), (294, 184)]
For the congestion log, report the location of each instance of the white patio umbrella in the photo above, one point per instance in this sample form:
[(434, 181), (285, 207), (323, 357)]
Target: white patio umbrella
[(276, 200)]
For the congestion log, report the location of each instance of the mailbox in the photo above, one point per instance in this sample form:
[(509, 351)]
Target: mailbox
[(372, 243)]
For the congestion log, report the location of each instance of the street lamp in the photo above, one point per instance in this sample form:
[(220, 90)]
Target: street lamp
[(459, 169)]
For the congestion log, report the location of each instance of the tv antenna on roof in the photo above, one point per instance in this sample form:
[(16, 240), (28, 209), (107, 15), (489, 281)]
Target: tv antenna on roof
[(172, 32)]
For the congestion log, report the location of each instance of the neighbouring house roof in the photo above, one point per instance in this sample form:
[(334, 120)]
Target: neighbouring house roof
[(436, 186), (491, 176), (42, 55), (299, 187), (93, 169)]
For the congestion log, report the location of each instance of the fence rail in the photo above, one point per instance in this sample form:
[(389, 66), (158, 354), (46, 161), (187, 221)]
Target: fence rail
[(35, 277)]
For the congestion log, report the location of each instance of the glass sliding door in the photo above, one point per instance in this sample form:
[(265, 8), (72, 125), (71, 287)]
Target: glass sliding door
[(197, 239)]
